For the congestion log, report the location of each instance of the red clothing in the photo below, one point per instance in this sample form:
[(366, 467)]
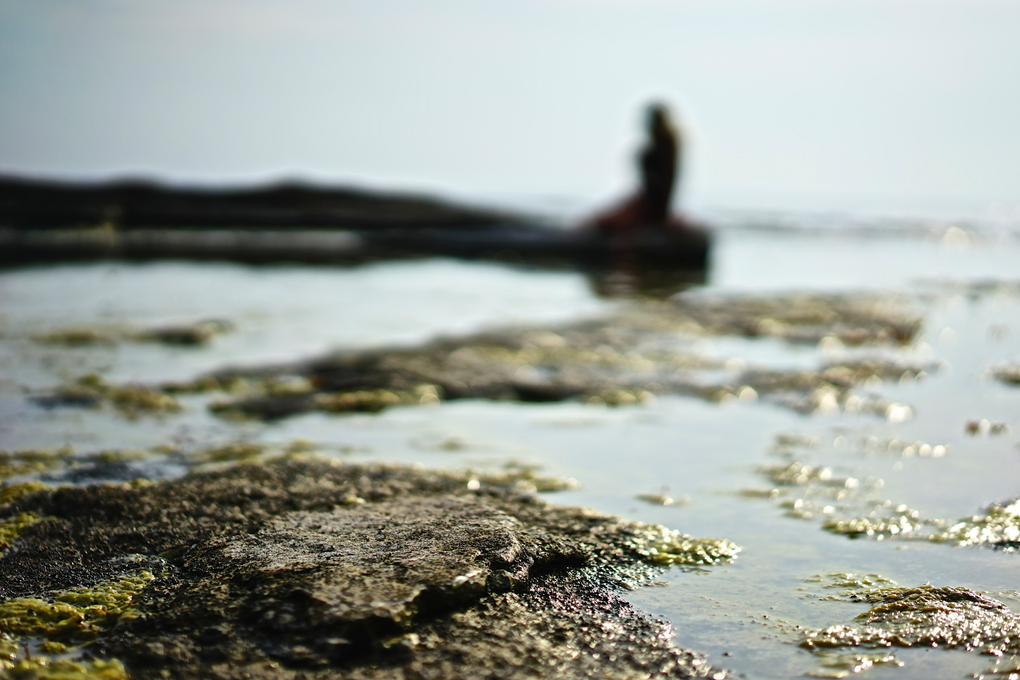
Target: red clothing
[(658, 167)]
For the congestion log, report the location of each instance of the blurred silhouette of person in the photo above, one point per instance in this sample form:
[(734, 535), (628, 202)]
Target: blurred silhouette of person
[(658, 165)]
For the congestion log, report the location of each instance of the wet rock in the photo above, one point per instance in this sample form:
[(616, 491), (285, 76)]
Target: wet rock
[(930, 616), (30, 461), (1009, 374), (187, 334), (851, 505), (899, 617), (850, 319), (77, 337), (629, 358), (997, 527), (102, 471), (311, 568), (663, 499), (92, 391), (197, 333)]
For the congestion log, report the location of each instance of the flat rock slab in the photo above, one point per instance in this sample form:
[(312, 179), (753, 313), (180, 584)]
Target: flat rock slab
[(312, 568), (638, 352)]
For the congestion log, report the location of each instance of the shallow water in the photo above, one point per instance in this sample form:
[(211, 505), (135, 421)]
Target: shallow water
[(743, 615)]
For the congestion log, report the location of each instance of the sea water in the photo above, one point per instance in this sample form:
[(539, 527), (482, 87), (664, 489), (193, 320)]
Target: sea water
[(748, 616)]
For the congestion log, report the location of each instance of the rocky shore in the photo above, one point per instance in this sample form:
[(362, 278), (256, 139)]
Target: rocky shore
[(310, 568)]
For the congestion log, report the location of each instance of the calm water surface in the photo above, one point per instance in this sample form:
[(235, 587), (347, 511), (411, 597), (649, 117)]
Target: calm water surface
[(741, 615)]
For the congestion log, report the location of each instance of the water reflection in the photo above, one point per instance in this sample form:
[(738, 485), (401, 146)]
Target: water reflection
[(631, 279)]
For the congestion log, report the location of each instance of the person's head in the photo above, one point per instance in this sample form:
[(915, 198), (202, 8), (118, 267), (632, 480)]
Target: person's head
[(658, 119)]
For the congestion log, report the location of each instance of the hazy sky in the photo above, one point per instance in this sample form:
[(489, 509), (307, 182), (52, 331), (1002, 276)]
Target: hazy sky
[(909, 106)]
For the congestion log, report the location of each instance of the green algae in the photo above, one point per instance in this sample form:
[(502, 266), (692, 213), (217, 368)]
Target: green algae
[(849, 582), (354, 570), (12, 527), (785, 440), (243, 385), (46, 668), (79, 337), (1008, 374), (198, 333), (8, 651), (628, 359), (800, 474), (9, 494), (842, 665), (242, 452), (850, 506), (856, 319), (131, 399), (884, 522), (902, 617), (433, 373), (658, 545), (901, 447), (998, 527), (372, 401), (231, 452), (30, 461), (92, 391), (112, 456), (65, 622), (663, 499), (74, 614), (526, 480), (53, 647), (927, 616)]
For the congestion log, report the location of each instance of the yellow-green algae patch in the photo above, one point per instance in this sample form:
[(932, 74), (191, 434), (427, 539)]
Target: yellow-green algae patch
[(13, 492), (843, 665), (131, 400), (928, 616), (849, 582), (12, 527), (659, 545), (234, 451), (185, 334), (45, 668), (663, 499), (999, 527), (373, 401), (518, 478), (75, 614), (29, 461), (77, 337), (1009, 374), (309, 576), (69, 617), (886, 521)]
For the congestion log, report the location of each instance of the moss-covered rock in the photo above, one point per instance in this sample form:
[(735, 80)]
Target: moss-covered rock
[(312, 568), (627, 358)]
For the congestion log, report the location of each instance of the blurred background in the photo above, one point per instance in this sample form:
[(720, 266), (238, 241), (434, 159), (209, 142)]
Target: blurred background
[(888, 107)]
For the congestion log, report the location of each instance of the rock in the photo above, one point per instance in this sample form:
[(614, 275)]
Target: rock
[(626, 358), (315, 569)]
